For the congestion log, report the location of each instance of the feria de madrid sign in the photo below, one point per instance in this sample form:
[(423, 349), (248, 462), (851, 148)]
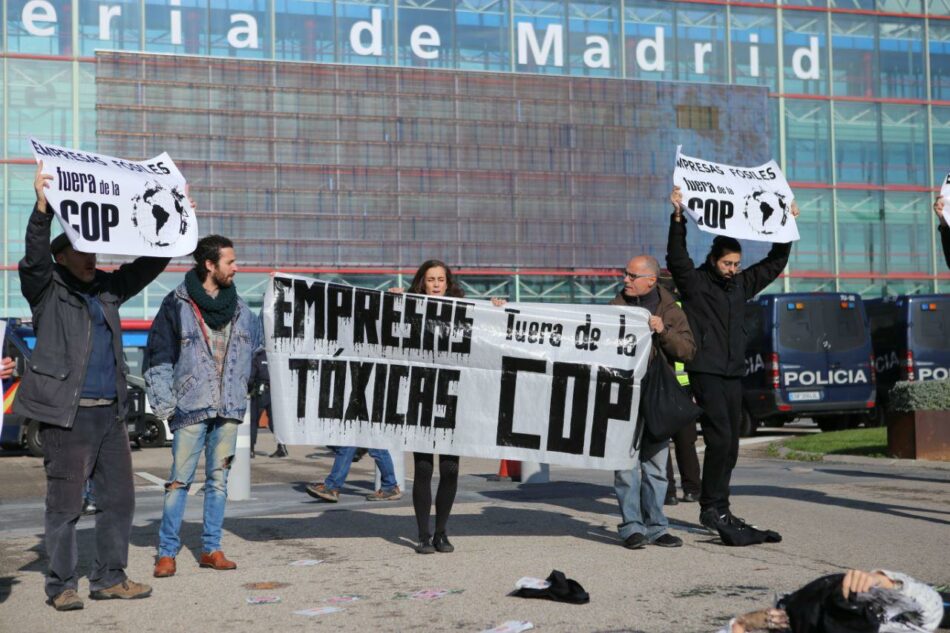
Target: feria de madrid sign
[(538, 46)]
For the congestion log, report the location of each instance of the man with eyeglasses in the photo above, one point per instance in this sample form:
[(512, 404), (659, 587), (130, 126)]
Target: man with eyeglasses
[(641, 491), (714, 296)]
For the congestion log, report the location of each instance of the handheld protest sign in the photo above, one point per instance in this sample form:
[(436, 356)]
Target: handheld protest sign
[(111, 206), (747, 203)]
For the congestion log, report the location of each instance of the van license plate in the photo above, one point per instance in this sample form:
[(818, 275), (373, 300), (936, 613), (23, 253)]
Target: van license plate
[(804, 396)]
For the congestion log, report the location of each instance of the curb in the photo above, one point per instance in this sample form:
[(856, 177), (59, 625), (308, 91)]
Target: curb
[(784, 452)]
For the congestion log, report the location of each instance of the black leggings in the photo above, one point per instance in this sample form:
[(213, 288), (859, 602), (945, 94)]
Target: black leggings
[(444, 496)]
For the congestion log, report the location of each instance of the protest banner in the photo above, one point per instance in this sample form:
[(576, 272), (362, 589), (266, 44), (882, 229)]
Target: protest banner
[(557, 384), (747, 203), (111, 206), (945, 194)]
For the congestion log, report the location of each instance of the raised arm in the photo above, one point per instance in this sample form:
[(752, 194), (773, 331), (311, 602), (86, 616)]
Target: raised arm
[(761, 274), (943, 228), (678, 260), (36, 267)]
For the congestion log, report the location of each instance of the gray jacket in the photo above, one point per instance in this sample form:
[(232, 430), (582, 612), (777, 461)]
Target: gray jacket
[(55, 373)]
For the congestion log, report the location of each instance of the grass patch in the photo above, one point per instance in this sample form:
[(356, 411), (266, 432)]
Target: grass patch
[(868, 442)]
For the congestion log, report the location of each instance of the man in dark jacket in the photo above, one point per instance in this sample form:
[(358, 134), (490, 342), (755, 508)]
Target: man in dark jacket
[(943, 228), (75, 385), (642, 490), (714, 296)]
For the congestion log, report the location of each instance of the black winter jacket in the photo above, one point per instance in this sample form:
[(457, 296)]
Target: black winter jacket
[(715, 306), (54, 376)]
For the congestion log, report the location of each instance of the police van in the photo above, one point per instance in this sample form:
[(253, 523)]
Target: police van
[(911, 339), (808, 355)]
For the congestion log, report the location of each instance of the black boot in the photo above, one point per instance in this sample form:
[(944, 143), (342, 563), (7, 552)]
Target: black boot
[(424, 546), (280, 452), (441, 543)]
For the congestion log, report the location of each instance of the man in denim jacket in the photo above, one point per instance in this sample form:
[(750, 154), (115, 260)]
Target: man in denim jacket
[(197, 366)]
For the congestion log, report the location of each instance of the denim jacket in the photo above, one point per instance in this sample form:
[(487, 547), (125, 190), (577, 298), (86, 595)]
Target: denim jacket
[(181, 378)]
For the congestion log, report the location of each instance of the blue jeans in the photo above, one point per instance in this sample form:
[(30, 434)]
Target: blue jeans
[(641, 492), (217, 437), (344, 459)]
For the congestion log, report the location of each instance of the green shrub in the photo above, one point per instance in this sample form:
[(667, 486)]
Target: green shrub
[(933, 395)]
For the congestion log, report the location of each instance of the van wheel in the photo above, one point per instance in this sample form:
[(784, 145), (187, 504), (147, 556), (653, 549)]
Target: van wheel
[(836, 423), (153, 433), (748, 425), (34, 442)]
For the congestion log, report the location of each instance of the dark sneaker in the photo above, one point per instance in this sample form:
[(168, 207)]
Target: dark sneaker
[(280, 452), (441, 543), (735, 521), (635, 541), (671, 500), (711, 518), (68, 600), (385, 495), (320, 491), (690, 497), (424, 546), (125, 590), (668, 540), (88, 507)]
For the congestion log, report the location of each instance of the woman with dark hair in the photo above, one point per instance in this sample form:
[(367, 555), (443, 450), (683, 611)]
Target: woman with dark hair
[(435, 278), (714, 296)]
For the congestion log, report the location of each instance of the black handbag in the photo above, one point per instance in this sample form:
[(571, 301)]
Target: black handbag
[(664, 404)]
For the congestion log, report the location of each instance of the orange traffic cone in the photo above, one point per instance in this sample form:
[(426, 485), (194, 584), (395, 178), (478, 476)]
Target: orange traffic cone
[(508, 470)]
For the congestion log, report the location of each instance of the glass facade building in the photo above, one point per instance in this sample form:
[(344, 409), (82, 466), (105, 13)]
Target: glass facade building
[(504, 136)]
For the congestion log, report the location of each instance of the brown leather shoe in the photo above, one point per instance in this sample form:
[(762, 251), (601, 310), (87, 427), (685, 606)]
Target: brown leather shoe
[(164, 567), (217, 560)]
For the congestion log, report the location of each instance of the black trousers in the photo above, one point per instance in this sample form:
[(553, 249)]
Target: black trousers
[(684, 444), (96, 446), (259, 404), (721, 400)]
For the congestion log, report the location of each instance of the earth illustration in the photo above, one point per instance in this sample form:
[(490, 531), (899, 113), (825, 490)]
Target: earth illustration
[(766, 211), (160, 214)]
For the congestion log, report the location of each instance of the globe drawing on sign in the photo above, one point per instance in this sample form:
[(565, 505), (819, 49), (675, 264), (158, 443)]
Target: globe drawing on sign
[(766, 211), (159, 214)]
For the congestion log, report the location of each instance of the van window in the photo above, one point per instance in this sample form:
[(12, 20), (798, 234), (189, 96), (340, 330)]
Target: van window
[(932, 327), (811, 322)]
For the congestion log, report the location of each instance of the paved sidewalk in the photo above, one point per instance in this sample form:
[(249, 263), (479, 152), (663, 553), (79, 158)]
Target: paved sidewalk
[(832, 516)]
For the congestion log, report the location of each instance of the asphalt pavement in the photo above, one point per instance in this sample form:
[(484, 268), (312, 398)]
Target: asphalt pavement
[(356, 569)]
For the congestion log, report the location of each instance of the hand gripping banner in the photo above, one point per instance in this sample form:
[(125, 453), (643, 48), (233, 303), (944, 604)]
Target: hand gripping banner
[(556, 384)]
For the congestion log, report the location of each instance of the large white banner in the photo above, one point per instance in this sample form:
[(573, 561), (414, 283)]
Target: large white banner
[(945, 194), (112, 206), (747, 203), (557, 384)]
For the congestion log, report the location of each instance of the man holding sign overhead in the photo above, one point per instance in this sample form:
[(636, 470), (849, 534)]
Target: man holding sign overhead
[(714, 296), (75, 385)]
